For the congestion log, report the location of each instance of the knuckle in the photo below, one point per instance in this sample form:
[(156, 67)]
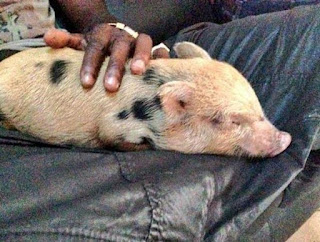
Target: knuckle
[(122, 34), (96, 46), (115, 64), (100, 33), (127, 37), (122, 41), (122, 46)]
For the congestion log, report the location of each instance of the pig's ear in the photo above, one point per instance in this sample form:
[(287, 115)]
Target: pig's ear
[(186, 50), (175, 97)]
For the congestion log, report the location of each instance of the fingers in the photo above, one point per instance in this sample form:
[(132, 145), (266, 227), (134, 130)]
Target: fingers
[(60, 38), (77, 42), (160, 53), (116, 66), (56, 38), (91, 64), (95, 52), (101, 41), (141, 55)]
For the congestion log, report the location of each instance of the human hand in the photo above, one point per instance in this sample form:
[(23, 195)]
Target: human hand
[(106, 40)]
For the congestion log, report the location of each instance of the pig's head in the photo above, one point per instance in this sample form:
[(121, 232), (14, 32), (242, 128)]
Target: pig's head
[(211, 108)]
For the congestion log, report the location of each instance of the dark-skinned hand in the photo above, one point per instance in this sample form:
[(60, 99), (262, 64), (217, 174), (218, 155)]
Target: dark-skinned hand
[(105, 40)]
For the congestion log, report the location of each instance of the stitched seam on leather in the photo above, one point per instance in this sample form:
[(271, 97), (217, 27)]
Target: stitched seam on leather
[(71, 232), (123, 166), (155, 230)]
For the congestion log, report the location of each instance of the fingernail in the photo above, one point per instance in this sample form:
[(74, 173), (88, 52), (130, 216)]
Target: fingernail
[(112, 84), (87, 80), (138, 67)]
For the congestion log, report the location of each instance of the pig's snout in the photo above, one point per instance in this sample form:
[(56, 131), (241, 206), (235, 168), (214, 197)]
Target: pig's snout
[(283, 140), (265, 140)]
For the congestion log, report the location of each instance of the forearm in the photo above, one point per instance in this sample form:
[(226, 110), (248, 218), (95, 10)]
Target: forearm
[(83, 15)]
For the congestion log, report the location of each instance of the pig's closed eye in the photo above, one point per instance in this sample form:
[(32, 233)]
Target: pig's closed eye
[(216, 121), (236, 123)]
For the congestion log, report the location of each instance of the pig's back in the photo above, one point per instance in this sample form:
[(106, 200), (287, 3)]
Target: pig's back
[(40, 93)]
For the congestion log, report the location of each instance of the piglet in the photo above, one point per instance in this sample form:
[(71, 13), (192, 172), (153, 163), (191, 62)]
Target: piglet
[(191, 104)]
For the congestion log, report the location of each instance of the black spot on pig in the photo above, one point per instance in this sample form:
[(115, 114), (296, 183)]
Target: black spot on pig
[(143, 109), (58, 71), (123, 114), (152, 78)]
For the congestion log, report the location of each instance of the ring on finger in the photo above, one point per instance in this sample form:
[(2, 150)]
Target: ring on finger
[(159, 46), (129, 30)]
